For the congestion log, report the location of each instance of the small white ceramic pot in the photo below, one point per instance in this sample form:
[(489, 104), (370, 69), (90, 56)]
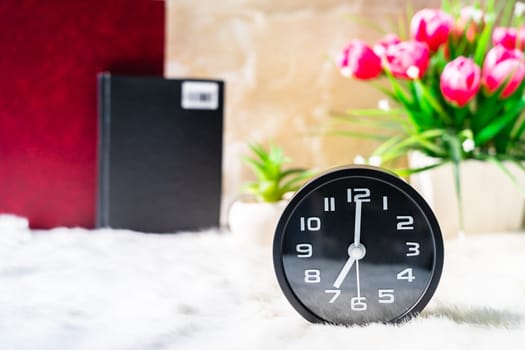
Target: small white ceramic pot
[(253, 222)]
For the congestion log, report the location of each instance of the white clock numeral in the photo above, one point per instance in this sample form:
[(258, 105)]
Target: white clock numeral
[(358, 303), (310, 224), (405, 223), (385, 296), (312, 276), (413, 248), (358, 195), (329, 203), (385, 203), (406, 274), (304, 250), (335, 292)]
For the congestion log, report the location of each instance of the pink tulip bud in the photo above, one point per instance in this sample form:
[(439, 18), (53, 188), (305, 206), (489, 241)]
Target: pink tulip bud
[(383, 45), (511, 38), (432, 27), (407, 60), (470, 23), (502, 65), (460, 81), (472, 14), (358, 60)]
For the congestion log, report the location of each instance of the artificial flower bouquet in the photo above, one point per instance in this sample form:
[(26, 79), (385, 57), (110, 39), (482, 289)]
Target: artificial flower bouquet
[(456, 82)]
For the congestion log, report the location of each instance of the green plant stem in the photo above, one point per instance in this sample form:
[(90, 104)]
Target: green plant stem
[(459, 198), (454, 144)]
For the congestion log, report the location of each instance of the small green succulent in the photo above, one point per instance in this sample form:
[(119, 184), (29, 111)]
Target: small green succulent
[(273, 182)]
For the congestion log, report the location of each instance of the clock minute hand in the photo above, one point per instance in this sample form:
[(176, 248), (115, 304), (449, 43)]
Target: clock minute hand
[(355, 251), (357, 224)]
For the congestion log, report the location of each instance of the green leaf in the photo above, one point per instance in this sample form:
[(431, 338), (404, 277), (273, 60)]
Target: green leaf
[(485, 37), (384, 90), (367, 23), (276, 156), (294, 183), (455, 147), (426, 116), (430, 146), (520, 127), (363, 135), (400, 94), (409, 11), (410, 171), (259, 151), (431, 100), (250, 187), (289, 172), (376, 112), (506, 171), (487, 109), (493, 128), (388, 144), (387, 120), (402, 27), (267, 166), (519, 164), (445, 6), (460, 115), (258, 168), (507, 13), (456, 153), (375, 124), (405, 144)]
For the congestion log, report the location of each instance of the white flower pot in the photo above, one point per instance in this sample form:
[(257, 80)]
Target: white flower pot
[(491, 202), (253, 223)]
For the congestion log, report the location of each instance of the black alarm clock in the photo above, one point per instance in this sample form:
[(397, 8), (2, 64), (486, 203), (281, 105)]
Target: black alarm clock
[(357, 245)]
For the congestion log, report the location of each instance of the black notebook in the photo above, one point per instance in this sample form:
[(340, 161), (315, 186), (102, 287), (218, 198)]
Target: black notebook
[(160, 153)]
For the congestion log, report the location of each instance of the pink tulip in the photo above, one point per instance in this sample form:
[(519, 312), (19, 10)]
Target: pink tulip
[(460, 81), (383, 45), (511, 38), (432, 27), (358, 60), (408, 60), (502, 65)]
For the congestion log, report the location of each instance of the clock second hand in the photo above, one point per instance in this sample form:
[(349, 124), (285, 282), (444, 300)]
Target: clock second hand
[(357, 278)]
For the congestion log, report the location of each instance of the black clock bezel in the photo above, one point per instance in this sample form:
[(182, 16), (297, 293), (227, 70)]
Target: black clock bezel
[(363, 171)]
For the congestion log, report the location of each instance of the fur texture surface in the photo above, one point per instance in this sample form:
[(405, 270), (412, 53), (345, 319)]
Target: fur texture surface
[(114, 289)]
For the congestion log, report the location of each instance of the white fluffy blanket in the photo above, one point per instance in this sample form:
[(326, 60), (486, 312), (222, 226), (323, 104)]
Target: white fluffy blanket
[(108, 289)]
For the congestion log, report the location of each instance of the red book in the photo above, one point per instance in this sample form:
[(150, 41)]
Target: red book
[(50, 54)]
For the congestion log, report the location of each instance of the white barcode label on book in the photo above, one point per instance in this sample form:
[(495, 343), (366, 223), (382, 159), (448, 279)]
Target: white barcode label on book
[(200, 95)]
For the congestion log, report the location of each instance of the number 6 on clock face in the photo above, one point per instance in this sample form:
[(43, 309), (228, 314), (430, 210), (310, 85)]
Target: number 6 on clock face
[(358, 303), (358, 245)]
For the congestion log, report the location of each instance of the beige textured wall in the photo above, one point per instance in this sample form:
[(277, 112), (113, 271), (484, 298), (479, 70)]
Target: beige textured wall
[(280, 82)]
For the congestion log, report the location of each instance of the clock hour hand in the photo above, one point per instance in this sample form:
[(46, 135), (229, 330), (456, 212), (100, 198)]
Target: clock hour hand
[(344, 271), (354, 253)]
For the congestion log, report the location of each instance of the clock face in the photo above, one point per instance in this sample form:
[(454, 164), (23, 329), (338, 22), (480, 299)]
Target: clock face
[(358, 245)]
